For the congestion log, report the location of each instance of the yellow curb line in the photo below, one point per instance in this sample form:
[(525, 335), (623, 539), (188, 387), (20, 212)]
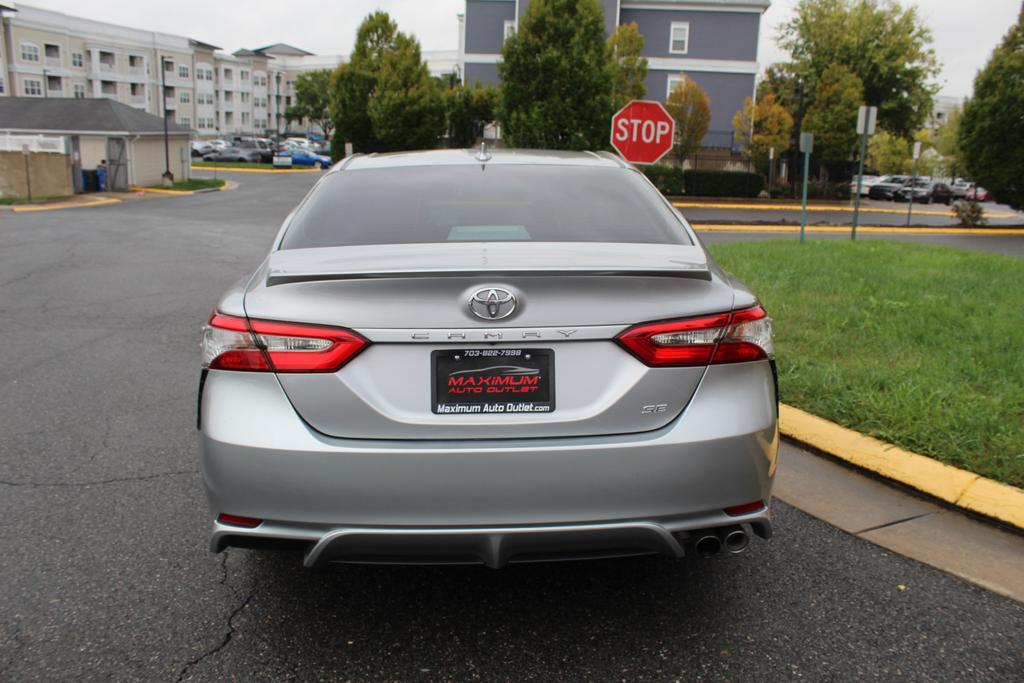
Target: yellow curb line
[(160, 191), (66, 205), (837, 209), (231, 169), (845, 229), (945, 482)]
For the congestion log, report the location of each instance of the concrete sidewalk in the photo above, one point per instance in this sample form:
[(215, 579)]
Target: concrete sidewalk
[(946, 539)]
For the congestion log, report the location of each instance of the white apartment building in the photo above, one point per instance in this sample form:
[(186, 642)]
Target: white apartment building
[(51, 54)]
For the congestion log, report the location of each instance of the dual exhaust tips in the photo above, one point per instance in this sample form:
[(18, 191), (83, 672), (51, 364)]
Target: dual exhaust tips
[(732, 539)]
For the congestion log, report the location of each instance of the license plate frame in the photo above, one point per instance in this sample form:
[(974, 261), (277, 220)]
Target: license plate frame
[(493, 381)]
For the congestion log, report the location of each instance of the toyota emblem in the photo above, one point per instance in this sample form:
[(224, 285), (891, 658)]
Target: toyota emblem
[(492, 303)]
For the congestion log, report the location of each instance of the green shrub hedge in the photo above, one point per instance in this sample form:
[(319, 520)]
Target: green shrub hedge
[(722, 183), (668, 179)]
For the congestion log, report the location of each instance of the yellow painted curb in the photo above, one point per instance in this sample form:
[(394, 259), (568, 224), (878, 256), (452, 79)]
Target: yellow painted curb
[(231, 169), (154, 190), (826, 207), (867, 229), (950, 484), (66, 205)]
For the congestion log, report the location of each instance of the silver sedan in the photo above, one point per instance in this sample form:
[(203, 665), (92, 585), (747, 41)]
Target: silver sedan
[(487, 357)]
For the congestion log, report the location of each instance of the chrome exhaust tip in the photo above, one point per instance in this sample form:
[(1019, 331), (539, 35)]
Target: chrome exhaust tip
[(736, 541), (708, 546)]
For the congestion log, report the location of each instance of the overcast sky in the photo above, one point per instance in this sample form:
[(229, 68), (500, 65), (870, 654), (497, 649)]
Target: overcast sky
[(964, 32)]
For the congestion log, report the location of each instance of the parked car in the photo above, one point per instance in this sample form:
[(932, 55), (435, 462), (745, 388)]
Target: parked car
[(201, 148), (887, 187), (303, 158), (960, 188), (263, 145), (979, 194), (219, 144), (866, 184), (245, 154), (926, 191), (482, 369)]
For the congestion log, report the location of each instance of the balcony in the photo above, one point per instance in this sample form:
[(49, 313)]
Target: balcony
[(137, 73), (138, 100), (170, 103), (54, 62)]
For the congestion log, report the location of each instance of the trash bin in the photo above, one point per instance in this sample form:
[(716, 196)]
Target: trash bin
[(90, 181)]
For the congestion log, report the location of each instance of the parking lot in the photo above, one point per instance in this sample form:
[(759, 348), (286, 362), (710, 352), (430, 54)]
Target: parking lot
[(107, 574)]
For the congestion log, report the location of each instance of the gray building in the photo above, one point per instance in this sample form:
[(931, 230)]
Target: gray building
[(714, 42)]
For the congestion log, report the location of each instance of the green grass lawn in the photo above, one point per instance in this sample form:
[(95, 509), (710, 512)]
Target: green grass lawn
[(7, 201), (193, 184), (917, 345)]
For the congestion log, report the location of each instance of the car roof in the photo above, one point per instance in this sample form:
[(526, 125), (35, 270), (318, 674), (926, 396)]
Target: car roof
[(454, 157)]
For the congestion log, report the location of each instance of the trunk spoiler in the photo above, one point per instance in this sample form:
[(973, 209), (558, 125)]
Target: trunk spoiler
[(486, 259)]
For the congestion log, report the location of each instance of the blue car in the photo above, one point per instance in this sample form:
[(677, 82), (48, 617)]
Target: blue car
[(302, 158)]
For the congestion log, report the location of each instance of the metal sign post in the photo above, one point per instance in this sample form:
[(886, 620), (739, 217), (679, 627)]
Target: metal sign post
[(806, 145), (913, 179), (865, 126)]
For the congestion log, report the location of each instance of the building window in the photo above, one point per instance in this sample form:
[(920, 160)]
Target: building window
[(244, 75), (79, 89), (228, 75), (509, 29), (182, 71), (680, 41), (245, 98), (33, 87), (185, 121), (29, 52), (77, 60), (168, 65), (673, 81), (184, 97)]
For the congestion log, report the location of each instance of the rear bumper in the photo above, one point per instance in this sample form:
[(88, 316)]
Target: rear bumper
[(491, 501)]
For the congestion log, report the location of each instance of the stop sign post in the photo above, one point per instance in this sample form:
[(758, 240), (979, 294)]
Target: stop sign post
[(643, 132)]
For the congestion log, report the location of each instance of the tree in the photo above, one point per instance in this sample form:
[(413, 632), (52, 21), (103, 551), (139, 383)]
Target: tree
[(881, 42), (991, 135), (353, 82), (312, 99), (629, 68), (467, 111), (556, 75), (405, 107), (772, 127), (889, 154), (688, 104), (947, 143), (833, 116)]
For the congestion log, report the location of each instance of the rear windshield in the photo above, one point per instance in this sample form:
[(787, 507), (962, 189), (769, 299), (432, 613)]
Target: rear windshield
[(483, 203)]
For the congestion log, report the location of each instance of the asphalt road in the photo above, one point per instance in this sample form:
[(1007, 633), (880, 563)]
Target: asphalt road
[(103, 524), (872, 213)]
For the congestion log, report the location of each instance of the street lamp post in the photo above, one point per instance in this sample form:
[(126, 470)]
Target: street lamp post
[(168, 176), (46, 84)]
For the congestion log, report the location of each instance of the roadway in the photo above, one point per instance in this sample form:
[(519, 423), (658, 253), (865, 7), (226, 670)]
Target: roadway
[(107, 574)]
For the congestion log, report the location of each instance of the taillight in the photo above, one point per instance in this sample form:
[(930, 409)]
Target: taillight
[(721, 338), (232, 343)]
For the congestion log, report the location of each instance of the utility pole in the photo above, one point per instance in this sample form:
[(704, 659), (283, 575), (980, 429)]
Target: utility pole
[(168, 176), (913, 181), (806, 145), (865, 127)]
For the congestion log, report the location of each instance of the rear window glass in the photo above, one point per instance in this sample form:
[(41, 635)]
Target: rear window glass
[(483, 203)]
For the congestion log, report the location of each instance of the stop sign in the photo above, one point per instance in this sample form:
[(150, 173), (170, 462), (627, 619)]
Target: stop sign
[(642, 131)]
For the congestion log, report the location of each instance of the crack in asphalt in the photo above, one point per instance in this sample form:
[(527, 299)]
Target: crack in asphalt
[(223, 643), (101, 482)]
